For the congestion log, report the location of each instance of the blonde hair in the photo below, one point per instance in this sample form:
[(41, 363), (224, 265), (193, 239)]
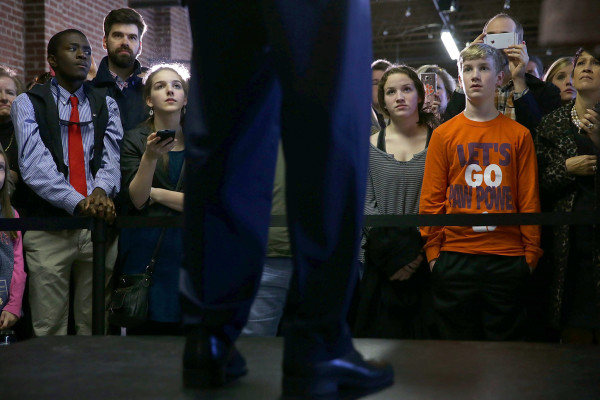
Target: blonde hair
[(478, 51), (556, 66)]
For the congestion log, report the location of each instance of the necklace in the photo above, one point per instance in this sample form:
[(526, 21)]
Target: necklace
[(575, 119), (10, 143)]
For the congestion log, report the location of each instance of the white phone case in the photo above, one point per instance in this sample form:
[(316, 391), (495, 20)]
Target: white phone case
[(500, 40)]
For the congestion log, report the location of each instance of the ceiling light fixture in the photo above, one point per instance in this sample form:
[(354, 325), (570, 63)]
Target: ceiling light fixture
[(450, 44), (506, 4), (407, 13)]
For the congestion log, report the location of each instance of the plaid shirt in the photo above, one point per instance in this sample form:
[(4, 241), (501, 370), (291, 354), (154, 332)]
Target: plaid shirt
[(121, 84), (505, 97)]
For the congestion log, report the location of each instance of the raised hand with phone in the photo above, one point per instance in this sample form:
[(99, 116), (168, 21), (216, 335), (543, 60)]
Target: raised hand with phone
[(432, 100), (439, 90), (504, 34), (522, 97)]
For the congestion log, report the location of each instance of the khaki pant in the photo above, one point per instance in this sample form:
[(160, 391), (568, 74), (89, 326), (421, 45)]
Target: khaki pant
[(53, 257)]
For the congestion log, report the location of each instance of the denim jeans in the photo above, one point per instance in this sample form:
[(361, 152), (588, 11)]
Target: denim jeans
[(267, 308)]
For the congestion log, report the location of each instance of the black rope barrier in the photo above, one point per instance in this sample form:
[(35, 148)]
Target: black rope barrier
[(99, 228), (497, 219)]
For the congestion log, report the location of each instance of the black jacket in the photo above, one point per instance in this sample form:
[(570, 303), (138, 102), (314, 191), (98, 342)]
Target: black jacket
[(542, 98), (132, 106)]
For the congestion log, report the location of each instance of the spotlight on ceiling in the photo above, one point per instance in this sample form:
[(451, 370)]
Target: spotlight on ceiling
[(407, 13), (450, 44), (506, 4)]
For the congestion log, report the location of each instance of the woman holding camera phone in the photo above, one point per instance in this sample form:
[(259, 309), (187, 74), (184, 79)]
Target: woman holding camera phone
[(152, 158), (445, 86), (567, 146)]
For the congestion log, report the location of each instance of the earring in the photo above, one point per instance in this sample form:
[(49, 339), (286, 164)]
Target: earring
[(151, 112), (184, 110)]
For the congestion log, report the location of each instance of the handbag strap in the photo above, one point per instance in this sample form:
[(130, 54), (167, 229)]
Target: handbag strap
[(150, 267), (381, 139)]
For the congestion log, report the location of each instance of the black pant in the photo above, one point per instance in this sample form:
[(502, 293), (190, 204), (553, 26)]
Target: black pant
[(264, 71), (479, 297)]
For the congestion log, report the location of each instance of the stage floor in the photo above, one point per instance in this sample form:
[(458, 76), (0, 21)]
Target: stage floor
[(113, 367)]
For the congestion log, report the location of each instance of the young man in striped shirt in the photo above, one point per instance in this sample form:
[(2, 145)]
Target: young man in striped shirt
[(68, 135)]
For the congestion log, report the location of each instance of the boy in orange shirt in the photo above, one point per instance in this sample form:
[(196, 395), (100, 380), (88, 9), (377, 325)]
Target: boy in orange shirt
[(480, 162)]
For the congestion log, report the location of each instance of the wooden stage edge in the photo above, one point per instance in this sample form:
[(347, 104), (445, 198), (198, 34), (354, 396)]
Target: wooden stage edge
[(113, 367)]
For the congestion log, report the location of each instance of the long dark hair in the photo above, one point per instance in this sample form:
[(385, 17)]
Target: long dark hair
[(7, 210), (425, 118)]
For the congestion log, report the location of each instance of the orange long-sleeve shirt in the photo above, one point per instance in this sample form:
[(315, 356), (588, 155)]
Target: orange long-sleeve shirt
[(481, 167)]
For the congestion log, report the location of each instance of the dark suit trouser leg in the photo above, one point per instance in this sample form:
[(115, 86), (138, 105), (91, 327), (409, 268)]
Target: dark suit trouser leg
[(305, 73)]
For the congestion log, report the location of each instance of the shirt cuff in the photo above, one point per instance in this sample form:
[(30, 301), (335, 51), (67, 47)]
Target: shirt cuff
[(72, 201), (518, 95), (532, 257), (108, 189), (432, 253)]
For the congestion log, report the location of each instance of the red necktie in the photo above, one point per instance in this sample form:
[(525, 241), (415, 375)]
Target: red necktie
[(76, 160)]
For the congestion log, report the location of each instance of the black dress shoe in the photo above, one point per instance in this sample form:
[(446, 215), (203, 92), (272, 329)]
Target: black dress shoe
[(347, 375), (210, 361)]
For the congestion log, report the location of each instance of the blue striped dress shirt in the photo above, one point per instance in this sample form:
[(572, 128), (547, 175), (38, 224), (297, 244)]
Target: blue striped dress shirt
[(39, 170)]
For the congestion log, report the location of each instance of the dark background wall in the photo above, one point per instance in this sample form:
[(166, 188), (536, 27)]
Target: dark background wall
[(27, 25)]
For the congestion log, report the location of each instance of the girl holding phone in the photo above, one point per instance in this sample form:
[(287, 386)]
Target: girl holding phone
[(151, 168)]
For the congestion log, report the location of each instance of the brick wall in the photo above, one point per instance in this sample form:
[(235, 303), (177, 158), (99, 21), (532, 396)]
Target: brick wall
[(159, 51), (12, 40), (149, 36), (180, 36), (34, 32), (27, 25)]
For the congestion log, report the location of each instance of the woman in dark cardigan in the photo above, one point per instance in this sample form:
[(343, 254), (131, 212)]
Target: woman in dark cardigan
[(568, 145), (151, 185)]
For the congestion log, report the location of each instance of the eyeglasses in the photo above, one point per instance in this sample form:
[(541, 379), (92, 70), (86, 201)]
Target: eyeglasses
[(62, 121), (80, 123)]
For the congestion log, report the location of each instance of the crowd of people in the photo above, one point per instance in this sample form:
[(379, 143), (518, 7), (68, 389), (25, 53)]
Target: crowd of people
[(508, 142), (505, 137)]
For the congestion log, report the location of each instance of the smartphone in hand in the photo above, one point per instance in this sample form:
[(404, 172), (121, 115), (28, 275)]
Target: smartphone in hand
[(429, 80), (501, 40), (164, 134)]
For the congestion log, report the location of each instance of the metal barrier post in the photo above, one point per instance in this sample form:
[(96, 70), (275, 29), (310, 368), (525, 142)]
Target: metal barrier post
[(98, 285)]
